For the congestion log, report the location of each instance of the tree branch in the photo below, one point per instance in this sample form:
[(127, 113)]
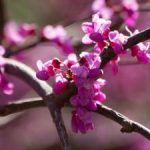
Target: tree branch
[(25, 73), (109, 54), (21, 105), (127, 124)]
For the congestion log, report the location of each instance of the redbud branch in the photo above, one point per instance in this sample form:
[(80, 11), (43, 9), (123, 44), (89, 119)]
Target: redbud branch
[(109, 54), (21, 105), (25, 73), (137, 38), (53, 101), (127, 124), (18, 50)]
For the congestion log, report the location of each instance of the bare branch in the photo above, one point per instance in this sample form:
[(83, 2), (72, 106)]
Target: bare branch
[(21, 105), (127, 124), (25, 73)]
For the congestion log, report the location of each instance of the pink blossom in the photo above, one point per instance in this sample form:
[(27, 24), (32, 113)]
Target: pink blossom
[(47, 70), (42, 73), (79, 71), (58, 36), (71, 60), (96, 31), (131, 12), (140, 51), (89, 92), (81, 120), (117, 41), (15, 34), (60, 84), (91, 60), (127, 8), (95, 73), (84, 74), (103, 10), (114, 63), (5, 86)]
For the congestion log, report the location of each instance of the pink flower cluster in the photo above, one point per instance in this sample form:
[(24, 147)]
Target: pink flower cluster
[(5, 86), (15, 35), (126, 8), (98, 33), (53, 68), (85, 72), (86, 75), (58, 36)]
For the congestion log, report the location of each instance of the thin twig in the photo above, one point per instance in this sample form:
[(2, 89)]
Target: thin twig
[(21, 105), (25, 73), (127, 124)]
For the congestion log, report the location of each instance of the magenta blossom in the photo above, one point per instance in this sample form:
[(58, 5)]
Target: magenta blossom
[(58, 36), (86, 74), (5, 86), (89, 92), (15, 34), (117, 41), (60, 84), (96, 31), (89, 95), (81, 120), (130, 9), (127, 8), (103, 10), (140, 51)]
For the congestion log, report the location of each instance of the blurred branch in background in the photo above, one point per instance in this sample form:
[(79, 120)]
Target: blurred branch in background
[(144, 7), (2, 18)]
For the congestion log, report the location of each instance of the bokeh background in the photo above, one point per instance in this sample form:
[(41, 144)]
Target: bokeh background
[(128, 91)]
